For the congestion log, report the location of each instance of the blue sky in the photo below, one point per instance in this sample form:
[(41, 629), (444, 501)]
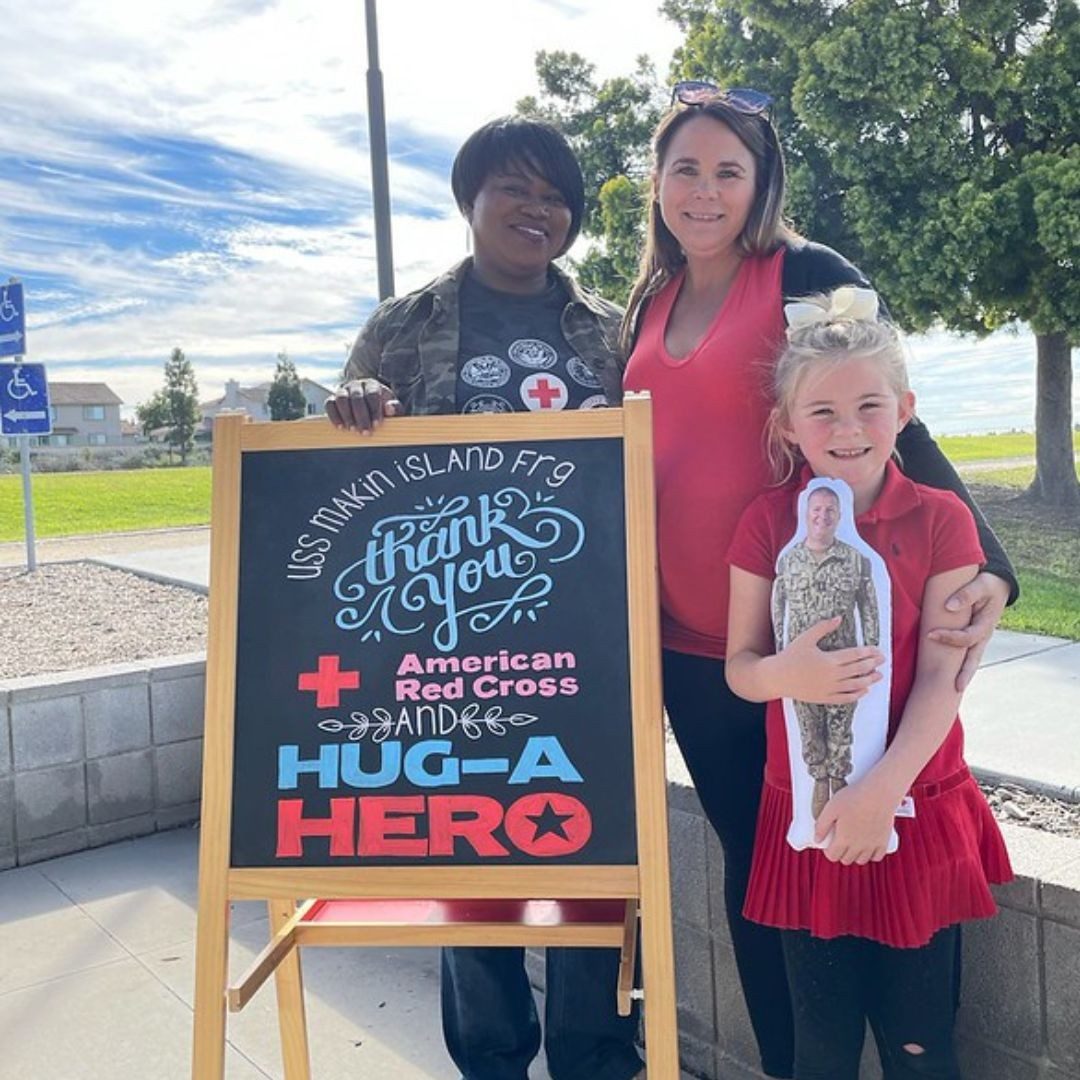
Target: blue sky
[(195, 173)]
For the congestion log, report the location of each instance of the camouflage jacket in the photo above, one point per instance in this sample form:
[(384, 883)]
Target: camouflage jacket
[(410, 343), (808, 590)]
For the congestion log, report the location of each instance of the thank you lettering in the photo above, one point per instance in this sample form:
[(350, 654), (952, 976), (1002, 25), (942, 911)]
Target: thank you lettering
[(432, 657)]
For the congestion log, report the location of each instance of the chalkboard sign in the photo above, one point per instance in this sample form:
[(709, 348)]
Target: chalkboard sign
[(432, 657), (433, 674)]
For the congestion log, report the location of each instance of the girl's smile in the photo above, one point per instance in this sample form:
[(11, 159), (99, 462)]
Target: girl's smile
[(845, 419)]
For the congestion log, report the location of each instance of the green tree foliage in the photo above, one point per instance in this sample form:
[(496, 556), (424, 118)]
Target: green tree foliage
[(151, 414), (182, 397), (285, 397), (608, 123), (175, 407), (934, 142)]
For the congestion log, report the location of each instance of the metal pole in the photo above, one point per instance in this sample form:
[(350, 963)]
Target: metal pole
[(28, 502), (380, 181)]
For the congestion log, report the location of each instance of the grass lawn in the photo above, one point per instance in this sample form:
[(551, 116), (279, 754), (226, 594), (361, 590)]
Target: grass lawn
[(1044, 545), (1010, 444), (68, 504)]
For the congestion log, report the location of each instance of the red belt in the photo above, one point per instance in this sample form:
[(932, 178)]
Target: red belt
[(931, 789), (921, 789)]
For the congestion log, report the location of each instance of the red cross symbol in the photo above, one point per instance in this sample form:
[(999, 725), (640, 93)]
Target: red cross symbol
[(545, 392), (328, 682)]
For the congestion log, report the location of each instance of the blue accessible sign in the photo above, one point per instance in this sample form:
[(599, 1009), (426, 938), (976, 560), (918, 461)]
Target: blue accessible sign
[(12, 320), (24, 400)]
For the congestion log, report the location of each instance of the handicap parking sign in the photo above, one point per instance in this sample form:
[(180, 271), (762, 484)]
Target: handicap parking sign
[(12, 320), (24, 400)]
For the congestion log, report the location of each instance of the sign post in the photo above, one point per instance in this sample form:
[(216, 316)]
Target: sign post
[(24, 398), (433, 701)]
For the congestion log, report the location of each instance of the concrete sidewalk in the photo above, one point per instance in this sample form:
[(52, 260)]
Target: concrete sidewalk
[(97, 977)]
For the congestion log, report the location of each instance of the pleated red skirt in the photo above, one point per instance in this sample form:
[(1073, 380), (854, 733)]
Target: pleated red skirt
[(948, 856)]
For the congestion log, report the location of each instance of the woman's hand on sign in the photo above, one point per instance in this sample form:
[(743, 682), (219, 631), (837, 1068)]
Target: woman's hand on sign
[(362, 404)]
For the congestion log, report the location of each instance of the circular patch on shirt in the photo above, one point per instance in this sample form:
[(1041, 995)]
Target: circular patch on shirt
[(533, 353), (482, 403), (597, 401), (580, 373), (543, 392), (485, 371)]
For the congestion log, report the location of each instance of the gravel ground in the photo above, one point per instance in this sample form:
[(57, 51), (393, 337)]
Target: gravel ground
[(74, 615), (1019, 807)]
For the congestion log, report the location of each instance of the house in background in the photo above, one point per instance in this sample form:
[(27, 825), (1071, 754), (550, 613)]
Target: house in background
[(130, 432), (253, 401), (82, 414)]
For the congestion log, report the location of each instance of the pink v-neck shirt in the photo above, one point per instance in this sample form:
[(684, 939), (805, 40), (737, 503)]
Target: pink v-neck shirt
[(709, 413)]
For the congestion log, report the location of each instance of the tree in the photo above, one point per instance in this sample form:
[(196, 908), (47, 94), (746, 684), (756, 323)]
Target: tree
[(175, 407), (608, 124), (182, 401), (151, 414), (286, 398), (935, 143)]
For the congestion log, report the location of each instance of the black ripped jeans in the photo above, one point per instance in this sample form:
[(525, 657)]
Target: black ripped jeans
[(722, 739), (908, 995)]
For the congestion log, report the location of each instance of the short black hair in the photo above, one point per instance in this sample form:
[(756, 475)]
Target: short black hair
[(530, 145)]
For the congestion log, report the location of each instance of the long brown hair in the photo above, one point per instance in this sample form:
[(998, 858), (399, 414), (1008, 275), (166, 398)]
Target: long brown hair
[(765, 229)]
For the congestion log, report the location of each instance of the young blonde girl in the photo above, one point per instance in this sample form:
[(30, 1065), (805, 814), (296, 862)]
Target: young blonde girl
[(866, 936)]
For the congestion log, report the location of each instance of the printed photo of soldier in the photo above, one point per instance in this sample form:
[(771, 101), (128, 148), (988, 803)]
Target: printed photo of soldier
[(820, 576)]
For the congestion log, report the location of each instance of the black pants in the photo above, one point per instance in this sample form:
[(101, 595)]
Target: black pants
[(722, 739), (907, 995)]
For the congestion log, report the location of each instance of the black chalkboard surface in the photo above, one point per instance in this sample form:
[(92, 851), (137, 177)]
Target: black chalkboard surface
[(432, 657)]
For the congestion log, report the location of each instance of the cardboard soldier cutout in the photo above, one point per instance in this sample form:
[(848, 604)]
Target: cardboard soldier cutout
[(826, 571)]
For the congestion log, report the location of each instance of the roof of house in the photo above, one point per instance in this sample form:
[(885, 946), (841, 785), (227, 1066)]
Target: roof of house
[(305, 384), (254, 395), (258, 395), (81, 393)]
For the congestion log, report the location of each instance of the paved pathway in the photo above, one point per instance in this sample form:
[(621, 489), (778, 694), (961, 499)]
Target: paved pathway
[(60, 549)]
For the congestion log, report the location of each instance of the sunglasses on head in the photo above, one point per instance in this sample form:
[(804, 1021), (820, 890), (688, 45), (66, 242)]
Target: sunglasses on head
[(740, 98)]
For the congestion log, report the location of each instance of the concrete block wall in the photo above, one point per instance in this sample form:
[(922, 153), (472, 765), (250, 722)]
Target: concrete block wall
[(103, 754), (1020, 1013), (97, 755)]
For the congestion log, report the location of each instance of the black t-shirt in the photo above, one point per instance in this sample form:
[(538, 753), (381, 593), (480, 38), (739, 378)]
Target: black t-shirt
[(512, 355)]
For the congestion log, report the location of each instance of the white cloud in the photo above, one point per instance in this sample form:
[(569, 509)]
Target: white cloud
[(195, 171)]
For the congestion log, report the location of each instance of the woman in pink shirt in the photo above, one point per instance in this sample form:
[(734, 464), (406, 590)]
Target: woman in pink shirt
[(703, 328)]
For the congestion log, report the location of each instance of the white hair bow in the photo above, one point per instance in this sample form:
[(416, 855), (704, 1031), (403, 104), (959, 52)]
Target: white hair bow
[(846, 302)]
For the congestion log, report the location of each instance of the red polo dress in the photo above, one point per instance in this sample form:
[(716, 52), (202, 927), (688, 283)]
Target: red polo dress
[(952, 848)]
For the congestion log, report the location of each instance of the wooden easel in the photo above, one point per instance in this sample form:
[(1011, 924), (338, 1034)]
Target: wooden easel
[(593, 905)]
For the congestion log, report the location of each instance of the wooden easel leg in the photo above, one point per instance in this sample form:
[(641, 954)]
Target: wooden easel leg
[(211, 974), (289, 984), (627, 956), (658, 978)]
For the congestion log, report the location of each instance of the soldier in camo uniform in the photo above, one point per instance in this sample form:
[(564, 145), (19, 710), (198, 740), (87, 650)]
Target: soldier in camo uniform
[(818, 579), (506, 331)]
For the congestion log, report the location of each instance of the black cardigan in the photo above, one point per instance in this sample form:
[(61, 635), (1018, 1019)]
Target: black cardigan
[(813, 268)]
